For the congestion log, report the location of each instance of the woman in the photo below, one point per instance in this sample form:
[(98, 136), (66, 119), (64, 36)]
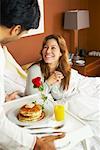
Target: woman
[(54, 68), (56, 74)]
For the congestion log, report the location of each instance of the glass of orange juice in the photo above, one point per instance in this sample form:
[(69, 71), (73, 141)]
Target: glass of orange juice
[(59, 111)]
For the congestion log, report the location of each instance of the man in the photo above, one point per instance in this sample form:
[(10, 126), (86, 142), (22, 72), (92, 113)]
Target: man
[(17, 16)]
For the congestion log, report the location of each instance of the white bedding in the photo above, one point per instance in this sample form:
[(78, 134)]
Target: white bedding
[(87, 95), (85, 103)]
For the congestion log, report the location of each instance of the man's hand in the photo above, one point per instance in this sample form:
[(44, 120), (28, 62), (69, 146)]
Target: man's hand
[(47, 142), (12, 96)]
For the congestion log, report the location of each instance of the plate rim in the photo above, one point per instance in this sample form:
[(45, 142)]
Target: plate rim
[(14, 108)]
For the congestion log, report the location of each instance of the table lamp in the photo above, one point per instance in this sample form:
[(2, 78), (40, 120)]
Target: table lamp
[(76, 20)]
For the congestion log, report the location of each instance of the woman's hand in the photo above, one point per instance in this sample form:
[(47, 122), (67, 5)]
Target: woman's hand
[(47, 142), (57, 76), (12, 96)]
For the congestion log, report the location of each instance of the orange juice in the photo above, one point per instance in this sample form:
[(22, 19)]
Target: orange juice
[(59, 112)]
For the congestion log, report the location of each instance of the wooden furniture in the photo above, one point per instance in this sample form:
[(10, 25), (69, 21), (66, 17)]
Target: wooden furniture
[(91, 67)]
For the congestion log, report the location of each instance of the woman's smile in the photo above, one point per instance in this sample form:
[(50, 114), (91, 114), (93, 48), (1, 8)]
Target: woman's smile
[(51, 51)]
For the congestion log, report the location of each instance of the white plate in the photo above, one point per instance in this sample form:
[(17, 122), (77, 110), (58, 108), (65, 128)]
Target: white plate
[(80, 62), (13, 111)]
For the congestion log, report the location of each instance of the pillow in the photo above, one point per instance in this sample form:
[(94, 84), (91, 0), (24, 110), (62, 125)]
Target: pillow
[(25, 67), (14, 75)]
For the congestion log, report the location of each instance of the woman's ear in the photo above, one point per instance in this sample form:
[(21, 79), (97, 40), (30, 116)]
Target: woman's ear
[(15, 30)]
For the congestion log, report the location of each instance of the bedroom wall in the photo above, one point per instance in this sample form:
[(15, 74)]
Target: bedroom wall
[(94, 31), (27, 49)]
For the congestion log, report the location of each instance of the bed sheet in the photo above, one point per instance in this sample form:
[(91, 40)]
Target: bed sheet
[(85, 103)]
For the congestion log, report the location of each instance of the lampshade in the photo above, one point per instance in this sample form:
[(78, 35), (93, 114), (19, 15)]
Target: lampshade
[(76, 19)]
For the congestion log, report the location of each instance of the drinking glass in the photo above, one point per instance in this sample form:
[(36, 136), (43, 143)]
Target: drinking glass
[(59, 111)]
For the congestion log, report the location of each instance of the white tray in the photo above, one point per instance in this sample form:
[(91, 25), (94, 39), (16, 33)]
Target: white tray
[(76, 130)]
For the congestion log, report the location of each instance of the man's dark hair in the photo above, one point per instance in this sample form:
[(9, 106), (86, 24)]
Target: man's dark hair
[(20, 12)]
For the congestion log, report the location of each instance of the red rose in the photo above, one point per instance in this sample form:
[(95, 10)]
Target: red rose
[(37, 82)]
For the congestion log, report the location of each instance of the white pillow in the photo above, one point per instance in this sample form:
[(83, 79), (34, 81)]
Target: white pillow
[(14, 75)]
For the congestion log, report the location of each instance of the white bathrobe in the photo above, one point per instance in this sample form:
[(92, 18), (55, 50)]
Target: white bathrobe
[(12, 137)]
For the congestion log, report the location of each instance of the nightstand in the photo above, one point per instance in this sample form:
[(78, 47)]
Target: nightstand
[(91, 67)]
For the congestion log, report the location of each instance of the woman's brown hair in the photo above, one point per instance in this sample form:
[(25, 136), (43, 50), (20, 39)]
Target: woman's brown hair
[(63, 64)]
